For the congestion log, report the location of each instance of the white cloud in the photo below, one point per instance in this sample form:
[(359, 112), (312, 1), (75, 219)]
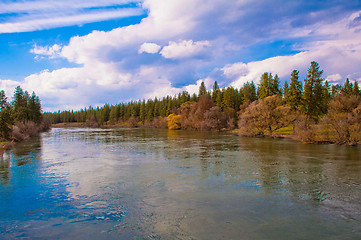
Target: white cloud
[(184, 49), (52, 20), (9, 87), (334, 78), (339, 55), (149, 48), (49, 51), (237, 69), (113, 70), (45, 5)]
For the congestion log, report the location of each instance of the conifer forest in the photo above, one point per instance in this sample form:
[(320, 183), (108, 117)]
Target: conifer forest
[(311, 110)]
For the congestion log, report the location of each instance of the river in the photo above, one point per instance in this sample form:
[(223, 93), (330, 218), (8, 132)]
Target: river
[(80, 183)]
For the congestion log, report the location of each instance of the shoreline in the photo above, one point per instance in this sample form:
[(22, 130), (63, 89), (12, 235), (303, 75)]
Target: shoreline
[(235, 131)]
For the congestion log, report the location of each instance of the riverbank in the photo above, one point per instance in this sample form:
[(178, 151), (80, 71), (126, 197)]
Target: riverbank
[(286, 132), (6, 145), (23, 131)]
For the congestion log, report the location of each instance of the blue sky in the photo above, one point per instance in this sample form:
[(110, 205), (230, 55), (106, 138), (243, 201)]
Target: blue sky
[(78, 53)]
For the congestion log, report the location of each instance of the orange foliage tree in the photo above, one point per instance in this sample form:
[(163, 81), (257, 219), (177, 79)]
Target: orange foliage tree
[(173, 121)]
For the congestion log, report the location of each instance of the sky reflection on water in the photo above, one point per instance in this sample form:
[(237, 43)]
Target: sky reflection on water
[(160, 184)]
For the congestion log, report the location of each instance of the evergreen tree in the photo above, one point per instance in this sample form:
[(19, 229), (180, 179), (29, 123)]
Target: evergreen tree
[(142, 111), (285, 89), (356, 90), (34, 108), (114, 114), (314, 93), (347, 88), (20, 104), (219, 99), (106, 112), (248, 92), (229, 98), (5, 116), (275, 86), (215, 91), (202, 90), (335, 90), (268, 86), (194, 98), (326, 96), (293, 94)]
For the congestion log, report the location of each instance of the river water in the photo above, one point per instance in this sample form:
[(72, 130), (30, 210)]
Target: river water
[(82, 183)]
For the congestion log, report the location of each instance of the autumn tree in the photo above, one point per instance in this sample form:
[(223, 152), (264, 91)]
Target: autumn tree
[(344, 117), (264, 116), (173, 121)]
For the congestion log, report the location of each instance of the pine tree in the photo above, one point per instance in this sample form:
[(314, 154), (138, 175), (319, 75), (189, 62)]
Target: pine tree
[(215, 91), (202, 90), (34, 108), (335, 90), (293, 94), (275, 85), (313, 97), (285, 89), (20, 104), (248, 92), (264, 89), (268, 86), (142, 111), (106, 112), (347, 88), (356, 90), (5, 116), (219, 99)]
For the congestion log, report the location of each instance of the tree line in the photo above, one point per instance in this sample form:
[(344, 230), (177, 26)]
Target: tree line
[(311, 108), (22, 117)]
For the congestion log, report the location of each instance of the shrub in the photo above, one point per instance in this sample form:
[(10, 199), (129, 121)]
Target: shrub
[(263, 117), (173, 121)]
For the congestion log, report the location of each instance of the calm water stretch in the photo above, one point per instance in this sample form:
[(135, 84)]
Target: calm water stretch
[(160, 184)]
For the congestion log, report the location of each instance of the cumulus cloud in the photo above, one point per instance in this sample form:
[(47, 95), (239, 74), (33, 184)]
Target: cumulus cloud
[(48, 51), (113, 68), (334, 78), (338, 53), (149, 48), (8, 86), (236, 69), (184, 49)]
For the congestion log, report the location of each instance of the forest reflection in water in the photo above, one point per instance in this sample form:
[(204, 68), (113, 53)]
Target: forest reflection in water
[(152, 183)]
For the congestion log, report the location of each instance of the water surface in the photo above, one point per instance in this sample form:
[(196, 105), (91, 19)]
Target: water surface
[(81, 183)]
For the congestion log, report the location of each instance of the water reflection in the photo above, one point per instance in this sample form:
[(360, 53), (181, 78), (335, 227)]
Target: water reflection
[(160, 184), (327, 175), (5, 164), (27, 152), (23, 154)]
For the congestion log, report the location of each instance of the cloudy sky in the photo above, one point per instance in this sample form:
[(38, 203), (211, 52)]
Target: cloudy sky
[(76, 53)]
